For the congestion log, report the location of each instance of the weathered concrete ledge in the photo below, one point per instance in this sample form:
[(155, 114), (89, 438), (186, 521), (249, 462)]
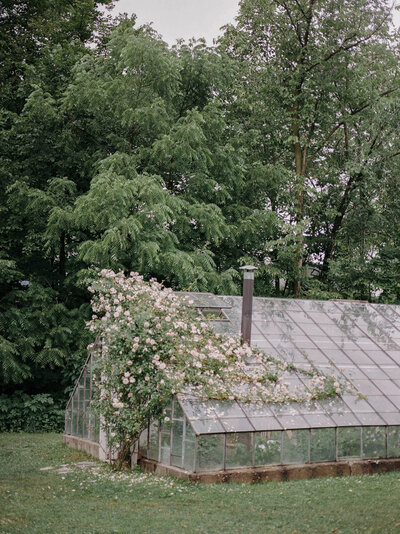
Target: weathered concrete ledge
[(91, 447), (277, 473)]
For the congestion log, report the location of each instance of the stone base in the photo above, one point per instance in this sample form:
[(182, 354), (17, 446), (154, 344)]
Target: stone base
[(277, 473), (91, 447)]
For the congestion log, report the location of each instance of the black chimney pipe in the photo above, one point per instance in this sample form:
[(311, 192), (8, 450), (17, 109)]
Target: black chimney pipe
[(247, 302)]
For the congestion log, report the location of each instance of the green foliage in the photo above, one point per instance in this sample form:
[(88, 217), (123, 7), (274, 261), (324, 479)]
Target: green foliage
[(279, 148), (28, 27), (20, 412), (165, 205), (314, 84), (42, 310)]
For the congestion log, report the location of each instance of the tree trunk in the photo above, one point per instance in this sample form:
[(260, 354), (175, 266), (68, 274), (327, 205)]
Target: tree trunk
[(300, 169), (337, 223)]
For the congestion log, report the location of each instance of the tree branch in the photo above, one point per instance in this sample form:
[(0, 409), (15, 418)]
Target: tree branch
[(351, 45), (351, 114)]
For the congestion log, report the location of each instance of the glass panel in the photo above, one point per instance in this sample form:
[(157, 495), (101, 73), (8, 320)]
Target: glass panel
[(295, 446), (154, 441), (374, 441), (237, 425), (210, 452), (349, 442), (239, 450), (387, 387), (167, 412), (322, 446), (195, 409), (381, 404), (177, 443), (391, 419), (206, 426), (226, 327), (300, 317), (91, 420), (165, 444), (212, 314), (256, 410), (85, 415), (345, 419), (143, 442), (316, 356), (370, 419), (396, 400), (265, 423), (74, 414), (295, 421), (82, 407), (379, 357), (353, 373), (267, 448), (366, 387), (393, 372), (357, 405), (89, 369), (393, 441), (87, 384), (207, 300), (96, 429), (68, 419), (178, 412), (188, 459), (289, 408), (80, 411), (318, 420), (374, 372), (227, 409)]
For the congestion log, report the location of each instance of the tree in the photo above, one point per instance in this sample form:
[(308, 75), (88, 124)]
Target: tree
[(317, 71), (280, 148), (27, 29), (152, 128), (83, 186), (42, 339)]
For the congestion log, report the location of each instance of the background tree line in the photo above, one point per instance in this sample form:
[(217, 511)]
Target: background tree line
[(278, 147)]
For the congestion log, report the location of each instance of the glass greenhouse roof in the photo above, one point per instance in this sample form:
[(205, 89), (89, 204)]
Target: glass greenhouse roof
[(358, 341)]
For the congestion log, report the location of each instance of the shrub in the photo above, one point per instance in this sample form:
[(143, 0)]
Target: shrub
[(21, 412)]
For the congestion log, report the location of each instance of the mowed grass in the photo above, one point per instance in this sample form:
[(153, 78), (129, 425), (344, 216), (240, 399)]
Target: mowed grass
[(96, 500)]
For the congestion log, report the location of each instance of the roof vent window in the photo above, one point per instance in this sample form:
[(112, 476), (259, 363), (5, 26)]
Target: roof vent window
[(212, 314)]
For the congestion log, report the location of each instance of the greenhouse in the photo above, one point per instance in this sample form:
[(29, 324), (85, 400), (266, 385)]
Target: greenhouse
[(217, 440)]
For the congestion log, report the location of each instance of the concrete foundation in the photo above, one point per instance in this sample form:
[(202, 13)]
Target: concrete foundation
[(277, 473), (91, 447)]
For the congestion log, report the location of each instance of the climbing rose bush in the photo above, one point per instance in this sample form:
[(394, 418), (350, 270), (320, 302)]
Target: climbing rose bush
[(154, 345)]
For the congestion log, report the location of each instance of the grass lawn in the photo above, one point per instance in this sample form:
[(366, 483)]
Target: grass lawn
[(71, 499)]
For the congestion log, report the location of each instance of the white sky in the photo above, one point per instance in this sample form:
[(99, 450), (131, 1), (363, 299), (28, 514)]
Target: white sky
[(175, 19)]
